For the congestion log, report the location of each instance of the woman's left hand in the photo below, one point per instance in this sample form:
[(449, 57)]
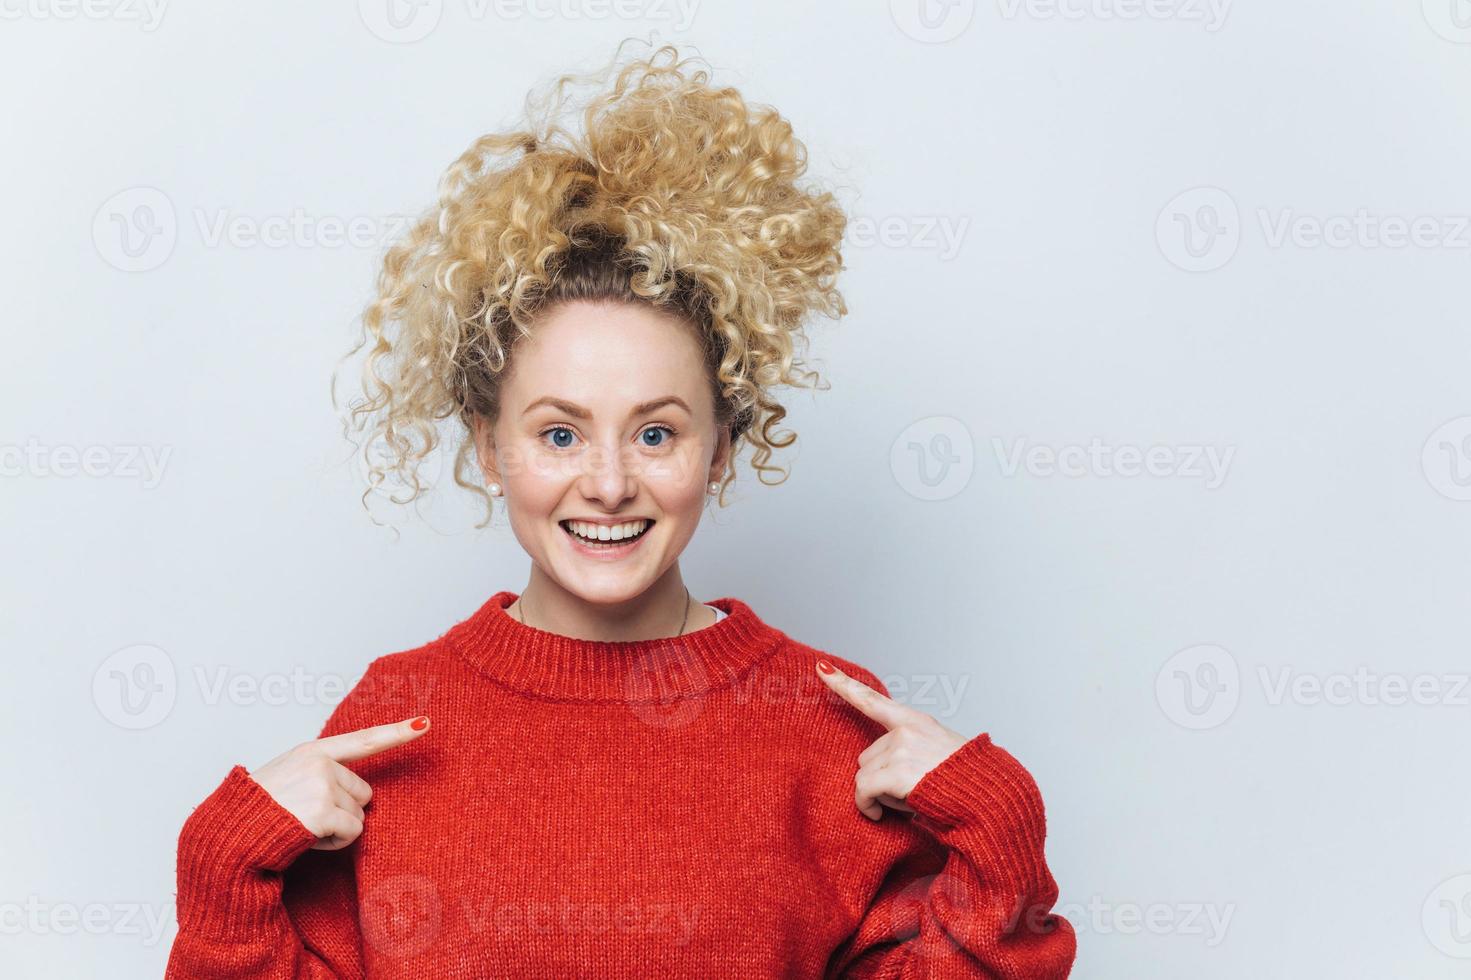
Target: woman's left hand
[(893, 765)]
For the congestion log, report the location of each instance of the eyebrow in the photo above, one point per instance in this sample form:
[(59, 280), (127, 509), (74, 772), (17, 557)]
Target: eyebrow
[(573, 409)]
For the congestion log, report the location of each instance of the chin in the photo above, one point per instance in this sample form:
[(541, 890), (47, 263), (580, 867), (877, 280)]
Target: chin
[(605, 586), (613, 594)]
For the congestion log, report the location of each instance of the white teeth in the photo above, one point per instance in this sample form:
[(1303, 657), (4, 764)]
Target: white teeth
[(604, 532)]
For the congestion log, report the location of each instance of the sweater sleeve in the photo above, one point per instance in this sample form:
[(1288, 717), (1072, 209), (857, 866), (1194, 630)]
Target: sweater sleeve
[(987, 912), (236, 852), (254, 899)]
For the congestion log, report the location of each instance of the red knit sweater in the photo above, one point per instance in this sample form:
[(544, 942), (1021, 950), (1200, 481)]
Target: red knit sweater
[(680, 807)]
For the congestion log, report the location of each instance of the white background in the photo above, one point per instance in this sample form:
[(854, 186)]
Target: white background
[(1113, 179)]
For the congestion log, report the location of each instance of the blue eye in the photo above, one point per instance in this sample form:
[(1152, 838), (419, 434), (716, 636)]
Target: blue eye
[(562, 436), (662, 430), (558, 429)]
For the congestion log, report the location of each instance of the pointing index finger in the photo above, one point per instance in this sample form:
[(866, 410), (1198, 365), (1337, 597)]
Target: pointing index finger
[(882, 709), (350, 746)]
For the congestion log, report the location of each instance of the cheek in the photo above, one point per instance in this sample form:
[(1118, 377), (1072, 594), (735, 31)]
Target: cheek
[(680, 474), (538, 476), (681, 501), (531, 498)]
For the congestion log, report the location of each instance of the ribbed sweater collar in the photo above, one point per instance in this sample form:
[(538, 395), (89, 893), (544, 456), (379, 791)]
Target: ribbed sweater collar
[(564, 668)]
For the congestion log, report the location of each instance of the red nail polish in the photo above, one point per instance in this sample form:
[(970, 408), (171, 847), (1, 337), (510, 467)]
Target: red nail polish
[(419, 724), (825, 667)]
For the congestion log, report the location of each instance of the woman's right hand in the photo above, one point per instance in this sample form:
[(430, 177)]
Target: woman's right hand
[(311, 781)]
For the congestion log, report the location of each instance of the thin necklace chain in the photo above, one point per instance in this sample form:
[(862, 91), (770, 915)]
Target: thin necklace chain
[(522, 617)]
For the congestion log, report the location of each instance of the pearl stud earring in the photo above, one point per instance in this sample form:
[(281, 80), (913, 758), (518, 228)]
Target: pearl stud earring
[(714, 488), (495, 489)]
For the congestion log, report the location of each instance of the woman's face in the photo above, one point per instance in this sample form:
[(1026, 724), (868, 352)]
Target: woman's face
[(607, 417)]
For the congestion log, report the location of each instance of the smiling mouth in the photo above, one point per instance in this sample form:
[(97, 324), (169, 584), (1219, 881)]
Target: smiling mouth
[(601, 537)]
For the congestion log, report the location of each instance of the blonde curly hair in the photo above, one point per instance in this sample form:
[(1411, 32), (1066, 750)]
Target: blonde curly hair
[(677, 194)]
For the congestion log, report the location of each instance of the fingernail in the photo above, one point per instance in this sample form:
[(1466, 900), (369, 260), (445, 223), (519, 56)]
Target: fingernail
[(825, 667), (419, 724)]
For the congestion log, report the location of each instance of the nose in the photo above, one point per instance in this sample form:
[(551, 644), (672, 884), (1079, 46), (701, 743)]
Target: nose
[(607, 476)]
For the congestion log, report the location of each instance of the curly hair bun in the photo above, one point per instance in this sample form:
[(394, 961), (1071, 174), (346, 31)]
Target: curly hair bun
[(674, 193)]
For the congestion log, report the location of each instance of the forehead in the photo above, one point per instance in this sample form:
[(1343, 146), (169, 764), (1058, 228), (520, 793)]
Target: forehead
[(605, 355)]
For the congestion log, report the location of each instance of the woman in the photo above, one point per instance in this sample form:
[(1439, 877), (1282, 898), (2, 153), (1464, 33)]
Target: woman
[(601, 776)]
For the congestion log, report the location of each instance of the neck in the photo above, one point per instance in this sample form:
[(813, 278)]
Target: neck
[(655, 674), (655, 613)]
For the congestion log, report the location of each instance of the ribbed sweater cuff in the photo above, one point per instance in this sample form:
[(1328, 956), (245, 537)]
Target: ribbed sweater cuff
[(231, 850), (981, 800)]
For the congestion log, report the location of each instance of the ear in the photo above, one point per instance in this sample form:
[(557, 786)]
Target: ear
[(482, 432), (721, 459)]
